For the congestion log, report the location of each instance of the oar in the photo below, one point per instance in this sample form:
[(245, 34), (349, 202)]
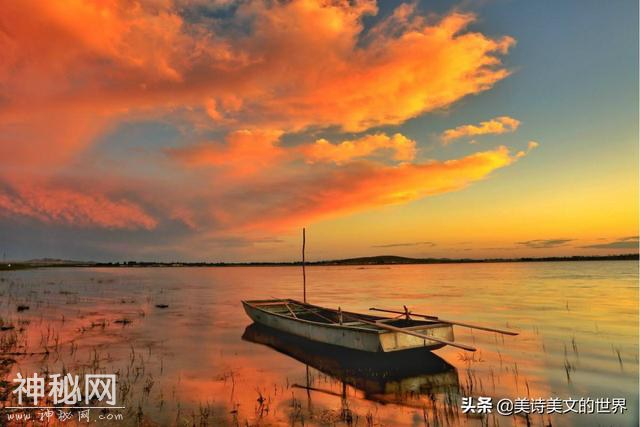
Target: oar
[(451, 322), (404, 331)]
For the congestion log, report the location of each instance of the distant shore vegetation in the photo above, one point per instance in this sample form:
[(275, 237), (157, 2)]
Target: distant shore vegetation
[(364, 261)]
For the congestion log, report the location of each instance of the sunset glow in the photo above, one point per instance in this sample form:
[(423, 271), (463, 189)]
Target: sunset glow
[(214, 131)]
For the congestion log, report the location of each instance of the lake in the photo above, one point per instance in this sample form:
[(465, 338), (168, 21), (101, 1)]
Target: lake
[(174, 337)]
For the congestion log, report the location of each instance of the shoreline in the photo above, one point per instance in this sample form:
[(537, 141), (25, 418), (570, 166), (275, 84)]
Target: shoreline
[(385, 260)]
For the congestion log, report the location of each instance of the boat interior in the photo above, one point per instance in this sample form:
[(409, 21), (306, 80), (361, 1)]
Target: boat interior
[(299, 310)]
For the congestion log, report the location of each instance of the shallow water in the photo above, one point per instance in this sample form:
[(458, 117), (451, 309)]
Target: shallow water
[(188, 364)]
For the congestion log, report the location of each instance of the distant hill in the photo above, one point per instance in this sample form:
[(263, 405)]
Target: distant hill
[(380, 259), (392, 259), (55, 261)]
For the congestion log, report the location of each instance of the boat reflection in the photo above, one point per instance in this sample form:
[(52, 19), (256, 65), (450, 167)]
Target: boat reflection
[(409, 378)]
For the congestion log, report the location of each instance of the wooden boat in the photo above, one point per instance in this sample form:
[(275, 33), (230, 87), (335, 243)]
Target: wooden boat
[(356, 331)]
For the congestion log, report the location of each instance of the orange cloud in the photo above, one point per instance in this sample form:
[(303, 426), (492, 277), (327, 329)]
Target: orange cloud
[(245, 152), (498, 125), (72, 71), (404, 149), (394, 77), (50, 204), (118, 58), (281, 203), (530, 146)]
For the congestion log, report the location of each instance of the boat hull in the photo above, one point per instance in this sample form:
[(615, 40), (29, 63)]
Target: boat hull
[(357, 338)]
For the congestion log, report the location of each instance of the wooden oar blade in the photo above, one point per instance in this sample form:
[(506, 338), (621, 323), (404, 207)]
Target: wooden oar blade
[(452, 322)]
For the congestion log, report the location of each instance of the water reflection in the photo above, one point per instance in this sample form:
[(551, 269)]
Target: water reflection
[(407, 378), (186, 365)]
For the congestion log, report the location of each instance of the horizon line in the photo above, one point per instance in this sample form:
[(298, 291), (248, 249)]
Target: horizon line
[(382, 259)]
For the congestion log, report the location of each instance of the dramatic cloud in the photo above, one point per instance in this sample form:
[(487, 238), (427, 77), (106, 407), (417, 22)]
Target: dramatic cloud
[(545, 243), (496, 126), (120, 58), (277, 203), (58, 205), (244, 153), (323, 151), (630, 242), (249, 91)]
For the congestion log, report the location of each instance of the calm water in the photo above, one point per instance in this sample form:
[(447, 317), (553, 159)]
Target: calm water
[(187, 364)]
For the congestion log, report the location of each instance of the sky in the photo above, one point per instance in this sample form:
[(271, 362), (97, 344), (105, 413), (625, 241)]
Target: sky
[(193, 130)]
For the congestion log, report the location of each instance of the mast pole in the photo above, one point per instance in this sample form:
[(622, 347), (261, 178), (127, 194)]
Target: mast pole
[(304, 274)]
